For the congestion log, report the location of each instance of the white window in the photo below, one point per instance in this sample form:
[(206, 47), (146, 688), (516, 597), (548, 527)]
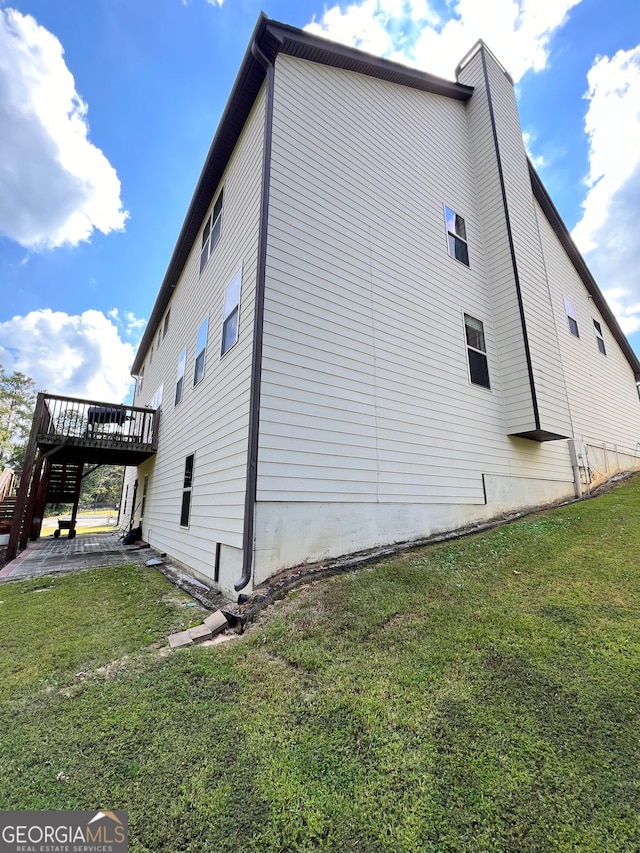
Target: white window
[(187, 485), (476, 351), (211, 232), (456, 236), (182, 361), (201, 351), (570, 310), (597, 330), (231, 312), (157, 398)]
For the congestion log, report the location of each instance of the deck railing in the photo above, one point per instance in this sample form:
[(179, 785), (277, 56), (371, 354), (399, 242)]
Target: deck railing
[(7, 478), (72, 418)]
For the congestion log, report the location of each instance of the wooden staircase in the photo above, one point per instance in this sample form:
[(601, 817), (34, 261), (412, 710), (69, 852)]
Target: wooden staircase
[(63, 482), (8, 500)]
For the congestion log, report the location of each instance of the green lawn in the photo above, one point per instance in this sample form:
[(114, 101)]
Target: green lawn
[(475, 696)]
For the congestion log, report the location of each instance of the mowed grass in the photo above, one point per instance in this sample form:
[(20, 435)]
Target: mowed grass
[(475, 696)]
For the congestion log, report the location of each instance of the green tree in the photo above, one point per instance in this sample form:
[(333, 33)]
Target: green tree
[(102, 487), (17, 402)]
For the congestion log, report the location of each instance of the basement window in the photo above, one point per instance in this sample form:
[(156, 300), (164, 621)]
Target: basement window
[(476, 351), (182, 361), (211, 233), (187, 484), (231, 313), (456, 236), (570, 310), (597, 330), (201, 351)]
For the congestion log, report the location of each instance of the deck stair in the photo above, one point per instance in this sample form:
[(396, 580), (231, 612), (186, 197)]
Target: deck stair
[(63, 482)]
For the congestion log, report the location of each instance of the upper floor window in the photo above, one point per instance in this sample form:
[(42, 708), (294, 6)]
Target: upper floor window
[(570, 309), (456, 236), (182, 361), (231, 312), (211, 232), (165, 328), (476, 351), (597, 330), (201, 351), (157, 398)]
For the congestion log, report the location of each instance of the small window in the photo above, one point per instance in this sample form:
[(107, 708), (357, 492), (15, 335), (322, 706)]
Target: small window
[(186, 491), (201, 351), (456, 236), (597, 330), (165, 328), (182, 361), (231, 312), (476, 352), (570, 309), (145, 486), (211, 232), (157, 398)]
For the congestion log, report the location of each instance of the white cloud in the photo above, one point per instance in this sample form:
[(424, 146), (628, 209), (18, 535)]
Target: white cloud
[(411, 31), (55, 186), (606, 234), (134, 323), (75, 355), (529, 139)]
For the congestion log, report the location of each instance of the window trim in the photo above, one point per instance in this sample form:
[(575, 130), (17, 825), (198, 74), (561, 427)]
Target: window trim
[(231, 311), (597, 330), (156, 401), (201, 352), (472, 348), (572, 317), (182, 364), (456, 236), (211, 231), (187, 491)]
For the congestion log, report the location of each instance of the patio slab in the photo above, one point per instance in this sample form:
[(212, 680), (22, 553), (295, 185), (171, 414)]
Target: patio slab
[(86, 551)]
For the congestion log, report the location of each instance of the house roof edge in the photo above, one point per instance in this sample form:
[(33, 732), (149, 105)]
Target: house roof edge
[(562, 233)]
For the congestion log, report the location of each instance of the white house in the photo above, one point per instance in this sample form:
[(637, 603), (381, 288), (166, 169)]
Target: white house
[(374, 325)]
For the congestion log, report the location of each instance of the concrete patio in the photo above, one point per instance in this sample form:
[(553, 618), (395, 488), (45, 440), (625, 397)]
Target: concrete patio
[(87, 551)]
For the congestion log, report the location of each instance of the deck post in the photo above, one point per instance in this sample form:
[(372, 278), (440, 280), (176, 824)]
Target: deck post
[(34, 492), (41, 501), (25, 480)]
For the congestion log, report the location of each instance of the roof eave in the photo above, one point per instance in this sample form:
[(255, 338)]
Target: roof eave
[(562, 233)]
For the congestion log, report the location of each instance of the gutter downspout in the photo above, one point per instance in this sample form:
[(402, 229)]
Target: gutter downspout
[(258, 328)]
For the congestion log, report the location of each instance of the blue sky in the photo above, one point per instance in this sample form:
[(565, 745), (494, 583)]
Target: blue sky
[(108, 108)]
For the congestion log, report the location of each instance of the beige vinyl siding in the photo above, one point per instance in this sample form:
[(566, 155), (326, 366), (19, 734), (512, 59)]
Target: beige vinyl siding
[(518, 401), (545, 356), (549, 384), (601, 388), (211, 421), (365, 389)]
